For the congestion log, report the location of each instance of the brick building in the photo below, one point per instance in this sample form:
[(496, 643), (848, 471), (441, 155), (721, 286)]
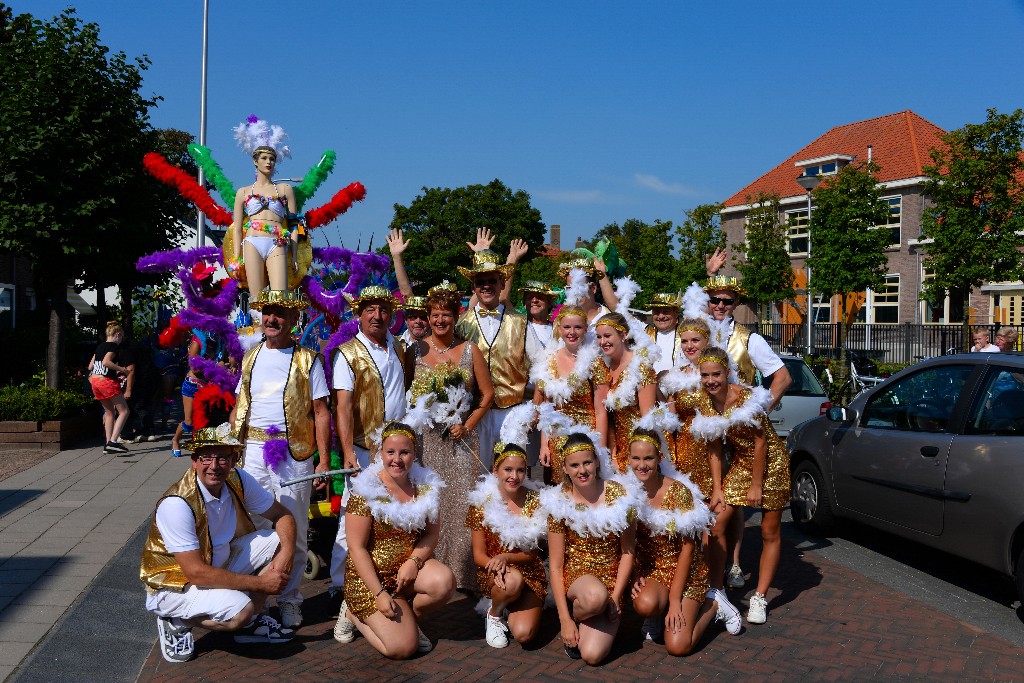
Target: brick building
[(899, 143)]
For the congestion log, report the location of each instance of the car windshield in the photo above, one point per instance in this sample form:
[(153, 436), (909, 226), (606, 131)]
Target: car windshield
[(804, 381)]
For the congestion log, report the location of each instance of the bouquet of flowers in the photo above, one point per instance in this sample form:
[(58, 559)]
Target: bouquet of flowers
[(444, 394)]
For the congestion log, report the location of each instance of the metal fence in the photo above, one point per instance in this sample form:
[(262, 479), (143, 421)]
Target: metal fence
[(884, 342)]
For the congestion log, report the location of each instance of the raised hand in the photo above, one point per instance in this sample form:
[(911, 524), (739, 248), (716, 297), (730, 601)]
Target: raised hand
[(715, 262), (517, 249), (484, 238), (395, 242)]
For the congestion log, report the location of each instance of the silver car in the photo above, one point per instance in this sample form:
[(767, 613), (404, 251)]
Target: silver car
[(933, 454), (804, 398)]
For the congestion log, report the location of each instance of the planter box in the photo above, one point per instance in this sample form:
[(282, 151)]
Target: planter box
[(51, 435)]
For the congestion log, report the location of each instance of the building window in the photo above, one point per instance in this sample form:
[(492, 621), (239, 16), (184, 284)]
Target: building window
[(942, 309), (796, 231), (829, 168), (822, 309), (895, 217), (881, 305), (6, 306)]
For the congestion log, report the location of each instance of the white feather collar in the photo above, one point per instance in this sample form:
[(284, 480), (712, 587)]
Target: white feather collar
[(624, 395), (597, 521), (753, 403), (558, 390), (515, 531), (690, 523), (412, 515), (685, 378)]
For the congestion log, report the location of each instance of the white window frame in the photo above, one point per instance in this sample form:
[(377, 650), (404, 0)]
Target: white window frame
[(896, 225), (871, 303), (790, 234), (925, 308)]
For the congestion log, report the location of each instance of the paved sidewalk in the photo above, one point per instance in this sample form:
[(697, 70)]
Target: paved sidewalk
[(61, 522)]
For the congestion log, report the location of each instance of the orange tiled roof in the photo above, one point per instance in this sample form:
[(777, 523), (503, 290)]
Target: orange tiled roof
[(900, 146)]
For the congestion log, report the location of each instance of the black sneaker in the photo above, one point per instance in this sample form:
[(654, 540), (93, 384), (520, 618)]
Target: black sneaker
[(176, 644), (572, 652), (264, 629)]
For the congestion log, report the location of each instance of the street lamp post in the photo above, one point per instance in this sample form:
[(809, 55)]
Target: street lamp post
[(201, 218), (809, 182)]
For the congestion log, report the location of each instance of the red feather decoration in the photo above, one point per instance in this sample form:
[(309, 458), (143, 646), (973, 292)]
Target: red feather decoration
[(211, 406), (162, 170), (339, 204), (173, 335)]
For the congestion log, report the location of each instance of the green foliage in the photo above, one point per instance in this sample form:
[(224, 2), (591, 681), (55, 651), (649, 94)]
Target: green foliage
[(763, 260), (977, 185), (41, 403), (848, 256), (544, 268), (647, 249), (440, 221), (699, 235)]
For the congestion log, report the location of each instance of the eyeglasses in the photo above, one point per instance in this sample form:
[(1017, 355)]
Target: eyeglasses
[(485, 281), (220, 459), (715, 300)]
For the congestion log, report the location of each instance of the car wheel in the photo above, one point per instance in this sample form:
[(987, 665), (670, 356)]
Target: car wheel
[(809, 503), (313, 566)]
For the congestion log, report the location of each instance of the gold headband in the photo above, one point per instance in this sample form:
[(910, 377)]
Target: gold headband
[(614, 325), (394, 431), (566, 311), (648, 439), (583, 446), (712, 359), (502, 451), (704, 332)]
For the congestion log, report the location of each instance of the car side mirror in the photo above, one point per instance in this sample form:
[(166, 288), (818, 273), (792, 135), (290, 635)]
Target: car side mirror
[(836, 414)]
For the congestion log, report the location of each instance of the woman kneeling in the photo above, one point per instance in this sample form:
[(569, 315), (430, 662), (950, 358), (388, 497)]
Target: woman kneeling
[(506, 528), (391, 581), (591, 534)]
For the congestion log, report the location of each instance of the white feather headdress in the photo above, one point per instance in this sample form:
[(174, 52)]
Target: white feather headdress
[(255, 132)]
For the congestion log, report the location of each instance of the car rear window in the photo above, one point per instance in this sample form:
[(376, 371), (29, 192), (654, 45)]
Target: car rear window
[(804, 381)]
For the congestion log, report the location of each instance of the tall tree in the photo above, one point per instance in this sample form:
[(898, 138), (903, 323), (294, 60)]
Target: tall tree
[(762, 258), (698, 236), (847, 254), (69, 109), (647, 250), (440, 221), (977, 185)]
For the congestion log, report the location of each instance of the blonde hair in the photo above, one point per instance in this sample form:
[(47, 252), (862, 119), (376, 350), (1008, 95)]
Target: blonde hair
[(113, 327), (695, 325), (616, 321), (713, 354)]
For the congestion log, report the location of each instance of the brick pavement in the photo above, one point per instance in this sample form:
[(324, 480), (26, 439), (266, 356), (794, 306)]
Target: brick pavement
[(826, 622)]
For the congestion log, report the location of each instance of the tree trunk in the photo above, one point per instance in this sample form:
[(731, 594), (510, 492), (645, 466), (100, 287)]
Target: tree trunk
[(127, 314), (965, 323), (57, 300), (102, 311)]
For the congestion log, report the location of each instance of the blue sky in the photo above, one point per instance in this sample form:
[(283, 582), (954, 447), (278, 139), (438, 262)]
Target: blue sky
[(600, 111)]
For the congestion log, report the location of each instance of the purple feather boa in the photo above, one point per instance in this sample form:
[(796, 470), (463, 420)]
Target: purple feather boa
[(168, 261), (215, 373), (331, 302), (275, 450), (216, 325), (346, 331), (219, 305)]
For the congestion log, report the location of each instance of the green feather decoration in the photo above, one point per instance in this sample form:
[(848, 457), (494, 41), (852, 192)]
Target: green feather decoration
[(214, 174), (314, 178), (607, 252)]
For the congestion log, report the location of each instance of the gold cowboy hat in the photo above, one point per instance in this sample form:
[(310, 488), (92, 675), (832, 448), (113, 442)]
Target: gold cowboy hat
[(372, 293), (584, 264), (214, 436), (445, 288), (277, 297), (487, 261), (717, 283), (416, 303), (666, 300), (538, 287)]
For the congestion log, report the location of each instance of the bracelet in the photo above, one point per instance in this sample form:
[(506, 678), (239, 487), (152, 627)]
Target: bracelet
[(377, 594), (417, 561)]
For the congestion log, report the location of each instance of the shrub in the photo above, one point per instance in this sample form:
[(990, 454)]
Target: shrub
[(41, 403)]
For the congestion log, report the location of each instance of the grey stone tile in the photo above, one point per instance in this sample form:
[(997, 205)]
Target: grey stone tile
[(12, 653), (22, 632), (36, 614), (47, 597)]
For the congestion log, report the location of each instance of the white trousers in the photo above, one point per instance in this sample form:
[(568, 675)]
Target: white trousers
[(295, 498), (340, 551)]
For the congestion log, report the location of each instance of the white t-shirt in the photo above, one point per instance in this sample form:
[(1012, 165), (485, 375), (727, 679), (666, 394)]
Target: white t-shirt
[(392, 375), (761, 355), (269, 376), (538, 338), (991, 348), (489, 324), (178, 527), (666, 341)]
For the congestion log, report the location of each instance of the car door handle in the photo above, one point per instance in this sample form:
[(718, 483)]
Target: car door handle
[(929, 451)]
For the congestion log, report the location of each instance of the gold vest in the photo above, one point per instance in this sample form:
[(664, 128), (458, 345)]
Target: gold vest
[(738, 352), (506, 359), (298, 402), (368, 389), (677, 343), (158, 568)]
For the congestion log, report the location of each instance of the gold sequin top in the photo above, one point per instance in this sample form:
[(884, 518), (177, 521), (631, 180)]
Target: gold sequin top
[(690, 455), (595, 555), (657, 554), (622, 420), (532, 571), (579, 407)]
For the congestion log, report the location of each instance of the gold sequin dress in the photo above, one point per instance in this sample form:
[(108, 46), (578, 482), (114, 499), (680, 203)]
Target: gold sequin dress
[(622, 420), (595, 555), (458, 466), (658, 554), (389, 547), (690, 455), (775, 489), (532, 571), (579, 406)]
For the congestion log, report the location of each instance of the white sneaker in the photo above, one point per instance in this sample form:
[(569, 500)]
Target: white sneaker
[(758, 612), (291, 615), (496, 631), (727, 612), (652, 629), (734, 577), (176, 644), (344, 629), (423, 645), (264, 629)]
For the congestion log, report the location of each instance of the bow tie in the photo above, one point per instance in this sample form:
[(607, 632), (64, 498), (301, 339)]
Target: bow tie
[(484, 312)]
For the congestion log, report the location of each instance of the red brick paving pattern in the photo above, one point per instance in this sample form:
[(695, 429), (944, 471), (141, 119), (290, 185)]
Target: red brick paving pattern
[(825, 622)]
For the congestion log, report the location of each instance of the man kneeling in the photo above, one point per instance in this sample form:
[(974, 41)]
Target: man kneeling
[(204, 563)]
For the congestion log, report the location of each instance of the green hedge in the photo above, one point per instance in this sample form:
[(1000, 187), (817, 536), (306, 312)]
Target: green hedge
[(41, 403)]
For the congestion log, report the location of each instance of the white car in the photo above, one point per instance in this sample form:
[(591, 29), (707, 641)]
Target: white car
[(803, 400)]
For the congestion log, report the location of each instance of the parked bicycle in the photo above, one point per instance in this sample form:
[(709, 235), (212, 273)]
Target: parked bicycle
[(855, 383)]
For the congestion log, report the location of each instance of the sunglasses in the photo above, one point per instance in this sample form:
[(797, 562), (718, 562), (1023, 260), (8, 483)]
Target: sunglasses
[(715, 300), (485, 281), (220, 459)]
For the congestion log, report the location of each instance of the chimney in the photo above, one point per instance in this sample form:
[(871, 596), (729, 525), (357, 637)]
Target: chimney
[(556, 237), (579, 243)]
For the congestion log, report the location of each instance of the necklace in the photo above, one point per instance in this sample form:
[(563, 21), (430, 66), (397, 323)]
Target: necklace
[(443, 351)]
